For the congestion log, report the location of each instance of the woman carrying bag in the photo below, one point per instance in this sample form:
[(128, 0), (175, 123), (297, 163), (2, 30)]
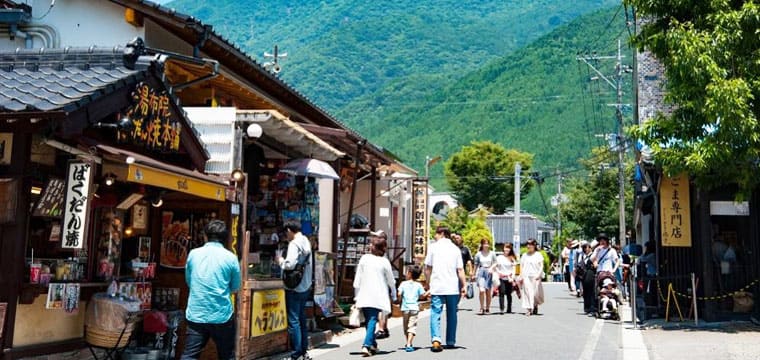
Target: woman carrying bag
[(373, 280), (504, 269)]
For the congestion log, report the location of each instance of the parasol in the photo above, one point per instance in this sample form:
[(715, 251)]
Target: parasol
[(310, 167)]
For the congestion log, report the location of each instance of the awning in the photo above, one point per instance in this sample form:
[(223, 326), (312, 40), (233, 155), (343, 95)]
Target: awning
[(141, 169), (290, 133)]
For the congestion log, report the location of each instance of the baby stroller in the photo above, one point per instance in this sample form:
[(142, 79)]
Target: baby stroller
[(608, 296)]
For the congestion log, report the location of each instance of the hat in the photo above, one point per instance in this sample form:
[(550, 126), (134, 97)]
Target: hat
[(379, 233), (608, 282), (594, 243), (574, 243)]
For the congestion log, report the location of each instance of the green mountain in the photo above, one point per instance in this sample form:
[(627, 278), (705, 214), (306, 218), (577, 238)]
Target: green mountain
[(425, 77), (343, 49)]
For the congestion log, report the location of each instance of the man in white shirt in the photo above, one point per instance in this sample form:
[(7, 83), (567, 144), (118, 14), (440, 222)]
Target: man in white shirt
[(444, 271)]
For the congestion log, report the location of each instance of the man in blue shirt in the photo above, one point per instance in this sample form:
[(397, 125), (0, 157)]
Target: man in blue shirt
[(212, 274)]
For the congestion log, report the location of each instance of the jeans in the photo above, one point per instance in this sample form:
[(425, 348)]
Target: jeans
[(370, 315), (298, 330), (436, 308), (198, 334)]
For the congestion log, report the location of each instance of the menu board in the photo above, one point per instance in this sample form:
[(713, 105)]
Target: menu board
[(51, 201)]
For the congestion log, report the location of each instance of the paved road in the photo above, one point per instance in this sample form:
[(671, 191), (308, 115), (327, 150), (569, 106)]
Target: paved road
[(559, 332)]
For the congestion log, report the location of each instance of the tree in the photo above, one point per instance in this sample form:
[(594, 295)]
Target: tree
[(476, 230), (593, 201), (710, 51), (472, 174), (456, 220)]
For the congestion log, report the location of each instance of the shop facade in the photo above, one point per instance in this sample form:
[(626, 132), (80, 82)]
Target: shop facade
[(91, 201)]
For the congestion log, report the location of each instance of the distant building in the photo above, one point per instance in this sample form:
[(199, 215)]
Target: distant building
[(502, 227)]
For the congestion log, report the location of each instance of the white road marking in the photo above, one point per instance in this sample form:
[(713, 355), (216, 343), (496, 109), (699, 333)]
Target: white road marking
[(593, 339)]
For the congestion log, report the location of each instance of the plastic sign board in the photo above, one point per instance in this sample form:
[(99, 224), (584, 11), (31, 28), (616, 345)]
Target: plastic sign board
[(76, 205), (268, 312), (675, 211)]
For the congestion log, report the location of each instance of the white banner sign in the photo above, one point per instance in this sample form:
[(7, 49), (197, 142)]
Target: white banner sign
[(78, 182)]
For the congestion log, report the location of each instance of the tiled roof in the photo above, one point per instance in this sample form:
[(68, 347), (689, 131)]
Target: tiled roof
[(60, 80)]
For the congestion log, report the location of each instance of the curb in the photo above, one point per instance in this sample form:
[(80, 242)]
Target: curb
[(633, 345)]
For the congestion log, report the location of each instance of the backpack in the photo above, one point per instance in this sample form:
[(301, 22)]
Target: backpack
[(292, 278)]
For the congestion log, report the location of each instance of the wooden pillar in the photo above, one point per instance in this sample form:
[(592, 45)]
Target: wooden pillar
[(373, 199), (704, 237), (13, 243)]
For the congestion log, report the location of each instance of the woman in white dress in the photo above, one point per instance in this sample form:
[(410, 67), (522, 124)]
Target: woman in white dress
[(372, 283), (532, 271)]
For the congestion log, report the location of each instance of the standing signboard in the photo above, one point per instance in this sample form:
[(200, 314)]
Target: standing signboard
[(76, 205), (675, 211), (268, 312)]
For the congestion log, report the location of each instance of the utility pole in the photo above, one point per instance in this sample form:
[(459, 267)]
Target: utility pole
[(559, 202), (617, 85), (516, 222)]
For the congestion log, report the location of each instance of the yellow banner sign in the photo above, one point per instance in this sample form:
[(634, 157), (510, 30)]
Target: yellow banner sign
[(675, 211), (177, 182), (268, 312)]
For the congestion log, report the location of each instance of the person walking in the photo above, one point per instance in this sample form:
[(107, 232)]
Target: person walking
[(372, 283), (585, 270), (445, 273), (504, 268), (212, 275), (484, 261), (466, 255), (532, 271), (410, 292), (299, 252)]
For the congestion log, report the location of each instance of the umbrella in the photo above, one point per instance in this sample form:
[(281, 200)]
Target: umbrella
[(310, 167)]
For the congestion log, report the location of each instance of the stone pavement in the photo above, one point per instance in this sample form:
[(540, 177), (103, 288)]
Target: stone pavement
[(729, 340)]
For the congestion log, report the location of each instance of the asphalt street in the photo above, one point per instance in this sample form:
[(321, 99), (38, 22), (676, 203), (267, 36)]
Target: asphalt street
[(560, 331)]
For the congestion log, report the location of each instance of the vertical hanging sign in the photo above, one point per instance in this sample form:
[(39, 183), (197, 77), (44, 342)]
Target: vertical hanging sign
[(76, 206), (421, 222), (675, 211)]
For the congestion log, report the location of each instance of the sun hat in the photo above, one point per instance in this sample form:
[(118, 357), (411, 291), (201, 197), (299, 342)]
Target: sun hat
[(607, 282)]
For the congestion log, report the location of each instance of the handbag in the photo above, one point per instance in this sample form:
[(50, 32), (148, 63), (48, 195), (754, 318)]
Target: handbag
[(470, 293), (355, 317), (292, 278)]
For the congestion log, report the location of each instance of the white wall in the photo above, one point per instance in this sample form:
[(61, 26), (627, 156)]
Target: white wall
[(80, 23), (326, 206)]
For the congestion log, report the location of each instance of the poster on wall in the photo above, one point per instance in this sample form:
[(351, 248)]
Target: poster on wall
[(55, 296), (139, 217), (109, 243), (71, 298), (180, 233), (78, 181), (268, 312), (324, 284), (675, 211)]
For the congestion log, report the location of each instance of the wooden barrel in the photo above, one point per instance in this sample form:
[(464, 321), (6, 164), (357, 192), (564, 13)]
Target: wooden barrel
[(107, 339)]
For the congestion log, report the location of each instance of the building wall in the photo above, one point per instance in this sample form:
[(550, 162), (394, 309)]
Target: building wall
[(79, 23)]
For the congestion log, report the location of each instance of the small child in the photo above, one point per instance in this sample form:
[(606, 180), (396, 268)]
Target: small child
[(410, 292), (609, 295)]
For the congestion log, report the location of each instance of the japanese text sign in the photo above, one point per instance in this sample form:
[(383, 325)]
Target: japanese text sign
[(76, 206), (675, 211), (268, 312), (151, 121)]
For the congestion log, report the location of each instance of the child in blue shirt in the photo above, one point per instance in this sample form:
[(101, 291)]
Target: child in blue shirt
[(410, 292)]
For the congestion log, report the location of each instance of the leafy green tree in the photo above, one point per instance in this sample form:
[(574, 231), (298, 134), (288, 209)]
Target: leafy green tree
[(470, 174), (710, 51), (593, 201), (476, 230), (456, 220)]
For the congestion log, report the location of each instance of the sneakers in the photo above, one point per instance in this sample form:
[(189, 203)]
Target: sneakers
[(366, 352), (382, 334), (436, 346), (409, 348)]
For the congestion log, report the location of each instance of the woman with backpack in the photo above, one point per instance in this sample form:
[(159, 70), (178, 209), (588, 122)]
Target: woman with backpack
[(484, 260)]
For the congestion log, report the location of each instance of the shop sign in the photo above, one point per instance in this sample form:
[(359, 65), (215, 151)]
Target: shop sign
[(51, 201), (76, 205), (151, 176), (675, 211), (268, 312), (150, 119), (421, 223), (6, 147)]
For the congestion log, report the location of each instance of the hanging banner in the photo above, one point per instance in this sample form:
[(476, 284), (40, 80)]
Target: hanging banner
[(421, 223), (268, 312), (75, 221), (675, 211)]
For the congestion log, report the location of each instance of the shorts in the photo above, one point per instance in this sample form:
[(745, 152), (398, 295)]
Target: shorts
[(485, 279), (410, 321)]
